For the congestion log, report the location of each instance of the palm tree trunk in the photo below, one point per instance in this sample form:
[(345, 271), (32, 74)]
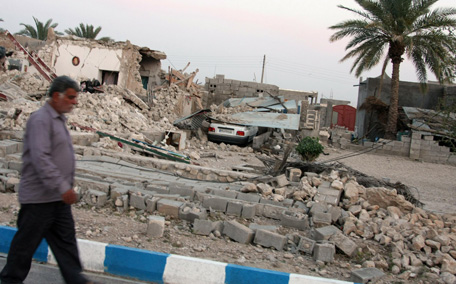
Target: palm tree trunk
[(391, 127)]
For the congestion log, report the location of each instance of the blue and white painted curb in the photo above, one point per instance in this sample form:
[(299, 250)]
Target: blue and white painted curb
[(162, 267)]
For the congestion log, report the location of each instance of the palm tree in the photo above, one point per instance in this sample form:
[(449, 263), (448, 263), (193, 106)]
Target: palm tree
[(86, 31), (41, 30), (400, 27)]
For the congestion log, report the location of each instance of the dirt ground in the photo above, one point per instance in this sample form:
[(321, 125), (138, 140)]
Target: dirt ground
[(435, 184)]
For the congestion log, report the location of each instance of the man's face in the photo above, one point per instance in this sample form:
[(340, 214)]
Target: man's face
[(64, 103)]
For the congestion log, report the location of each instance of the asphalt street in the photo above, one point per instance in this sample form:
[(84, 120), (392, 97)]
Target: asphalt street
[(49, 274)]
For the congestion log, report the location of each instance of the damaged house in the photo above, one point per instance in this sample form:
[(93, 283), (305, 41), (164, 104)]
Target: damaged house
[(112, 63)]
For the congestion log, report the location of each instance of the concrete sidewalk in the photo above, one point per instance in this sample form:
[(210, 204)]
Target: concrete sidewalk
[(159, 267)]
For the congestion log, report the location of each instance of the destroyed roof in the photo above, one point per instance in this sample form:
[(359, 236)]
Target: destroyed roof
[(263, 103), (268, 119), (159, 55), (429, 121)]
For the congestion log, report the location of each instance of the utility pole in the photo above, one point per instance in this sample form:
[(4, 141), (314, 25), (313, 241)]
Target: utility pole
[(262, 72)]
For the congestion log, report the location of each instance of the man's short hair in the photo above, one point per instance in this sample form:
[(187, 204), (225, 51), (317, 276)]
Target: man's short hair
[(61, 84)]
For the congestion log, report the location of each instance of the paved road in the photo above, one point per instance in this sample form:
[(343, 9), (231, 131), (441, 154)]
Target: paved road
[(49, 274)]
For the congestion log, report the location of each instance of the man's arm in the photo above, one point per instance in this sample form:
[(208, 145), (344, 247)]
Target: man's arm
[(40, 144)]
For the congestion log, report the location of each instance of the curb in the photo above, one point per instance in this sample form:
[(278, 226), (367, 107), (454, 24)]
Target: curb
[(160, 267)]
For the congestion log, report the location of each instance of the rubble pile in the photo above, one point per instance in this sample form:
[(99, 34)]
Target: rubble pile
[(224, 113), (14, 114), (30, 83)]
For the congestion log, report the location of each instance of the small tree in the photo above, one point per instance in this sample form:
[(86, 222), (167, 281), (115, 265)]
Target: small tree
[(309, 148)]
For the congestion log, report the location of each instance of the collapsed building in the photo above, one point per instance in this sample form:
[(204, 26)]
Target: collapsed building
[(329, 216)]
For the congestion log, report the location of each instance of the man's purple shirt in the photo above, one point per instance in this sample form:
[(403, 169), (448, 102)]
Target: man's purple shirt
[(48, 158)]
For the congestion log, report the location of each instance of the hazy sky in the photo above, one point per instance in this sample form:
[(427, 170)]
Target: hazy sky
[(227, 37)]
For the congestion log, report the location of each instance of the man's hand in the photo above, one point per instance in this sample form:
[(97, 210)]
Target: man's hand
[(70, 197)]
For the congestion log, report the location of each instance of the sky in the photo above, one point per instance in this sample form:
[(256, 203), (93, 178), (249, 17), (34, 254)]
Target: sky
[(229, 37)]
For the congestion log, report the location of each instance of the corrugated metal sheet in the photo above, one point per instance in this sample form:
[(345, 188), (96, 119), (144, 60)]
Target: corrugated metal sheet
[(268, 119), (263, 104)]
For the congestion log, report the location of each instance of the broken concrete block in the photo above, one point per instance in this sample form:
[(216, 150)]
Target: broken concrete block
[(294, 220), (324, 233), (216, 203), (85, 184), (191, 214), (248, 211), (344, 243), (234, 208), (294, 175), (249, 197), (182, 190), (118, 191), (256, 227), (151, 204), (270, 239), (238, 232), (318, 208), (366, 275), (138, 201), (203, 227), (224, 193), (280, 181), (160, 189), (321, 219), (273, 212), (169, 207), (336, 213), (324, 252), (8, 147), (155, 226), (15, 165), (95, 197), (306, 245)]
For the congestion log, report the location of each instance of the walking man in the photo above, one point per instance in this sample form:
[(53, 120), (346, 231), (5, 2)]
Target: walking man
[(46, 189)]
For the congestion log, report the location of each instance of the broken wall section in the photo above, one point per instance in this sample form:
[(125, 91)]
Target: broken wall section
[(221, 89)]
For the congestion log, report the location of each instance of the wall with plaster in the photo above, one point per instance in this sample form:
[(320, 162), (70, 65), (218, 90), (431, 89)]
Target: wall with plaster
[(92, 61)]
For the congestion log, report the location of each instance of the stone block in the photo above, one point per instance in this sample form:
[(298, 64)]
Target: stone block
[(234, 208), (191, 214), (325, 233), (366, 275), (182, 190), (95, 197), (271, 202), (169, 207), (216, 203), (280, 181), (85, 184), (155, 226), (138, 200), (118, 191), (270, 239), (321, 219), (324, 252), (294, 175), (238, 232), (15, 165), (203, 227), (335, 212), (273, 211), (151, 204), (306, 245), (248, 211), (318, 208), (249, 197), (8, 147), (224, 193), (160, 189), (344, 243), (294, 220), (256, 227)]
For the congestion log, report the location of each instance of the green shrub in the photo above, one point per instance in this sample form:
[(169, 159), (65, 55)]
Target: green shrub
[(309, 148)]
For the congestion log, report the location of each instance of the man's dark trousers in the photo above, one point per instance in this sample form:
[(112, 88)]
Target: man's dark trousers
[(53, 221)]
